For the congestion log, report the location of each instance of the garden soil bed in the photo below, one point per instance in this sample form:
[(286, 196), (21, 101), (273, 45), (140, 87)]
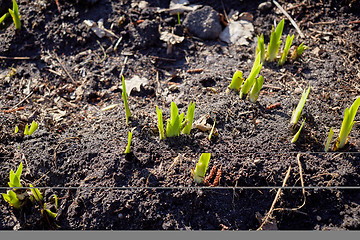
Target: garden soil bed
[(65, 76)]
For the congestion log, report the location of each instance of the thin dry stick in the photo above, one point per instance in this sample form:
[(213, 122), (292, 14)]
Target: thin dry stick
[(290, 18), (16, 58), (303, 190), (34, 183), (55, 158), (23, 100), (63, 67), (123, 67), (275, 200)]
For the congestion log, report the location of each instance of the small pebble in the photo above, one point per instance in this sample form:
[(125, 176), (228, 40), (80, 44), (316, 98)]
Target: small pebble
[(265, 6)]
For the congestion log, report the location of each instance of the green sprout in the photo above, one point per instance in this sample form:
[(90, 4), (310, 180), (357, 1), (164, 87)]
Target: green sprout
[(178, 18), (347, 124), (328, 141), (190, 118), (298, 51), (274, 45), (201, 167), (297, 112), (296, 136), (160, 123), (124, 96), (260, 48), (15, 177), (286, 50), (6, 15), (16, 129), (39, 198), (175, 124), (32, 129), (252, 76), (11, 197), (212, 131), (236, 81), (15, 15), (255, 91), (127, 151)]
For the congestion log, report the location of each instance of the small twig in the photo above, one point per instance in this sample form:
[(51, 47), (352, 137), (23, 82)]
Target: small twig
[(102, 48), (355, 22), (324, 23), (290, 18), (23, 100), (123, 67), (63, 67), (303, 190), (16, 58), (163, 59), (55, 158), (41, 178), (275, 200)]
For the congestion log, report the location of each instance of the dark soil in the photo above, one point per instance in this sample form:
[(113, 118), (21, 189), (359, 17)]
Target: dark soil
[(65, 75)]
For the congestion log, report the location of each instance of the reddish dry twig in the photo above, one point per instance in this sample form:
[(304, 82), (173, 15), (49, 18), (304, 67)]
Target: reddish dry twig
[(276, 105), (13, 110)]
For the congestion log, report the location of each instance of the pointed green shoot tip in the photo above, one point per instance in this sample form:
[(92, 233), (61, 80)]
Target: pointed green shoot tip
[(126, 104), (328, 141), (297, 112), (296, 136), (347, 124), (255, 91), (127, 151), (252, 77), (274, 44), (189, 118), (201, 167), (285, 53), (160, 123)]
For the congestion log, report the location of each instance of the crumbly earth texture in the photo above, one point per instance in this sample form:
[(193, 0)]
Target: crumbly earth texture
[(58, 72)]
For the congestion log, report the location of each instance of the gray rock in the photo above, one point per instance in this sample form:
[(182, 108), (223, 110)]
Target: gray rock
[(238, 33), (204, 23), (265, 6), (4, 6)]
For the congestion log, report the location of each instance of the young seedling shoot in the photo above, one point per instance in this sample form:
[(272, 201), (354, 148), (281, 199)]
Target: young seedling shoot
[(37, 197), (296, 136), (127, 151), (14, 199), (175, 124), (297, 112), (275, 42), (32, 129), (212, 130), (260, 48), (160, 123), (126, 104), (15, 15), (298, 51), (288, 43), (5, 16), (236, 81), (328, 141), (200, 170), (347, 124), (255, 91), (252, 77), (190, 118)]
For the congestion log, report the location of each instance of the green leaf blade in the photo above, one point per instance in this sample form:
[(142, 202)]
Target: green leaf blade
[(297, 112)]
